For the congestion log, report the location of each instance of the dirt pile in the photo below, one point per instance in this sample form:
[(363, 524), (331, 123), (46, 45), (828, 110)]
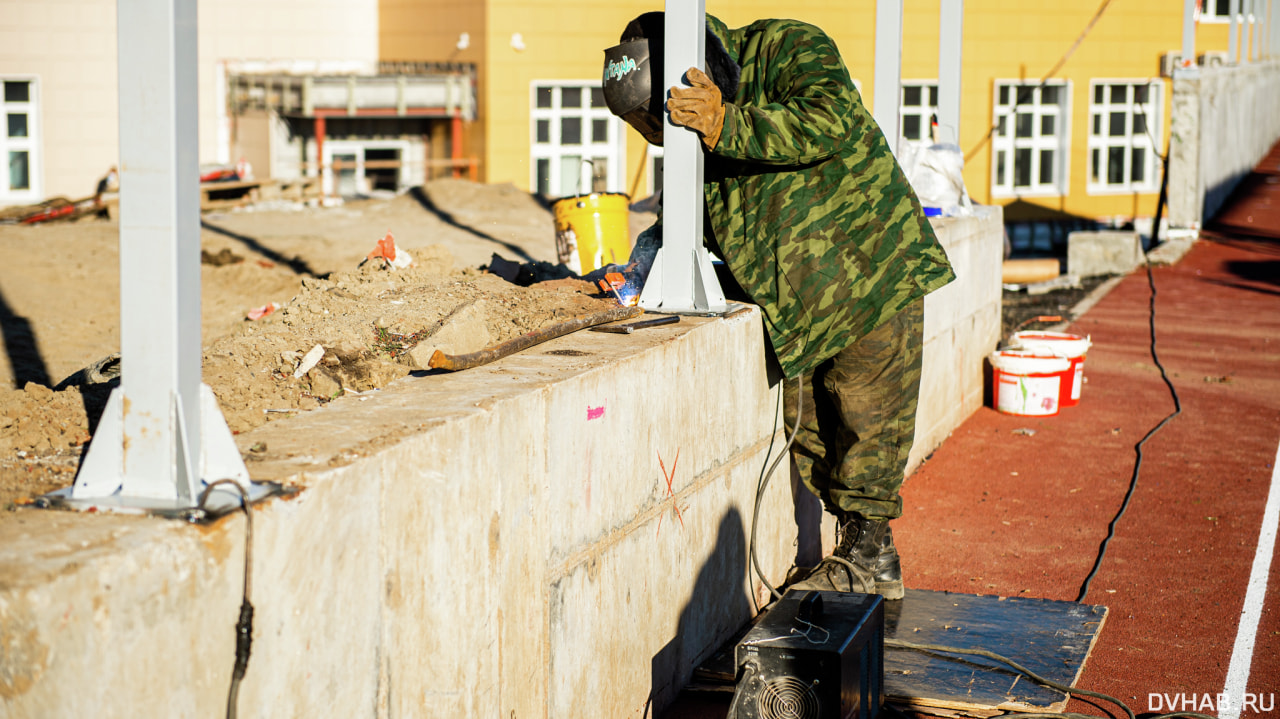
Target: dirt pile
[(59, 307), (349, 333), (374, 326), (37, 421)]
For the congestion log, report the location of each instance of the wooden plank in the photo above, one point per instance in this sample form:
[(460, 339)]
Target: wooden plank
[(212, 205), (207, 187), (1051, 638)]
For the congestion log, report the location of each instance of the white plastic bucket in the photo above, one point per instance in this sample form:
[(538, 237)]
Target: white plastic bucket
[(1026, 383), (1073, 347)]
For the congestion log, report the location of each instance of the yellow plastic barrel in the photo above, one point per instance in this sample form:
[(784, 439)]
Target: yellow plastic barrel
[(592, 230)]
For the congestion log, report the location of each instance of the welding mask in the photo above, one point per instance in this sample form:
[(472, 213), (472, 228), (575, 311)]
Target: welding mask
[(629, 82)]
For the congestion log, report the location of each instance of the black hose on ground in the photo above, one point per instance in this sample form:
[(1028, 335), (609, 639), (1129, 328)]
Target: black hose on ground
[(1177, 403)]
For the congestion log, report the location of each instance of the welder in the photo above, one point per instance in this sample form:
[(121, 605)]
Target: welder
[(818, 225)]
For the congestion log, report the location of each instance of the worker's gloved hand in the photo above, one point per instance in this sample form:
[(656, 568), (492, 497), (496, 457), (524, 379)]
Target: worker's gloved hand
[(698, 108)]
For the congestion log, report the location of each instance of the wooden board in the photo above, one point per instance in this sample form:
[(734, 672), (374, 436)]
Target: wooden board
[(1051, 638)]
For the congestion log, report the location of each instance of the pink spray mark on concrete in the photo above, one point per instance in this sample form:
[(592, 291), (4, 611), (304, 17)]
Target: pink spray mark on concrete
[(594, 413)]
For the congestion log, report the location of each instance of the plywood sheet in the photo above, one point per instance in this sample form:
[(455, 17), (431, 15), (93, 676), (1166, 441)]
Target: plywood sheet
[(1051, 638)]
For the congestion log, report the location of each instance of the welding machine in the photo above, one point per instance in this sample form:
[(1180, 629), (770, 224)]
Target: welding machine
[(814, 655)]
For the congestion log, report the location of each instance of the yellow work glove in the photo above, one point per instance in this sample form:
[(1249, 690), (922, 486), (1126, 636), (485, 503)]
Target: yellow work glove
[(698, 108)]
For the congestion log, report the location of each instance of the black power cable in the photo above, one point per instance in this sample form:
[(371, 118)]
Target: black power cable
[(899, 644), (244, 626), (1177, 403), (764, 482)]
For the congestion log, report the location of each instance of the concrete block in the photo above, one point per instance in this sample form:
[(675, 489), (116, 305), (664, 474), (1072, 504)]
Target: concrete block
[(496, 542), (1103, 253), (961, 326), (1171, 251), (975, 247)]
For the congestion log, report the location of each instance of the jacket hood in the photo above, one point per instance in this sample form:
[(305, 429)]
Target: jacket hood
[(722, 64)]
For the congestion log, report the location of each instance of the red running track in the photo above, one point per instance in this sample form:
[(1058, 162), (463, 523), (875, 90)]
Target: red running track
[(999, 511)]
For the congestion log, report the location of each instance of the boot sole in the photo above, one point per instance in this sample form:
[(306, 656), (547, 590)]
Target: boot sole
[(891, 590)]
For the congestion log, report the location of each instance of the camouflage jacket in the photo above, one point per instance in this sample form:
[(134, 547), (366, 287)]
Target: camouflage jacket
[(806, 204)]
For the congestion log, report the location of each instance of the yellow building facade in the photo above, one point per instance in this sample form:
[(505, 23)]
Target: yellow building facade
[(1086, 144)]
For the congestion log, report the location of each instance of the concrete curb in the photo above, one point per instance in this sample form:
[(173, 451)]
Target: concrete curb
[(1170, 251)]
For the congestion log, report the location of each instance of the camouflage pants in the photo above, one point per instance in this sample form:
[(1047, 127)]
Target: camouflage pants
[(860, 418)]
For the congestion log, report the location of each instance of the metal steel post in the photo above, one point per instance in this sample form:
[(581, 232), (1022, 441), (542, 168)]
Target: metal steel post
[(1233, 41), (950, 37), (1259, 12), (1275, 32), (888, 70), (1260, 27), (1188, 33), (1248, 41), (1265, 35), (682, 278), (1268, 31), (162, 430)]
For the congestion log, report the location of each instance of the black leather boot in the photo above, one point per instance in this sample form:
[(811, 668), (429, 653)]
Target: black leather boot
[(842, 571), (868, 544)]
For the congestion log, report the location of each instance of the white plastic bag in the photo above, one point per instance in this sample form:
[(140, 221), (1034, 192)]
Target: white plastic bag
[(936, 173)]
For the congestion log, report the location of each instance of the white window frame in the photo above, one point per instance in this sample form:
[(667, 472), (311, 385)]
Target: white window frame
[(1008, 143), (30, 144), (358, 148), (613, 149), (1207, 12), (1101, 143), (926, 110), (652, 156)]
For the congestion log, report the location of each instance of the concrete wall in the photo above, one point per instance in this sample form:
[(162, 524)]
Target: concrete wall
[(1224, 120), (494, 541), (961, 327), (551, 535)]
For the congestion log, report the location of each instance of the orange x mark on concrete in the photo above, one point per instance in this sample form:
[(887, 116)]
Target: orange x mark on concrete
[(670, 477)]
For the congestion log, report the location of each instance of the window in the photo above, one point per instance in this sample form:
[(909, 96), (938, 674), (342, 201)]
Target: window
[(1217, 10), (1124, 132), (653, 170), (356, 167), (574, 133), (1031, 139), (918, 109), (19, 146)]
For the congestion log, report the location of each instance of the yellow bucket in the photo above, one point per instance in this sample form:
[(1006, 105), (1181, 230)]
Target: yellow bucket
[(592, 230)]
